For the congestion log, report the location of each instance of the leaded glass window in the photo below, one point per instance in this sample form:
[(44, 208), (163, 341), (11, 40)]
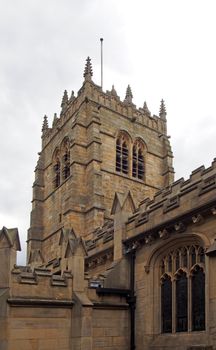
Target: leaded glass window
[(198, 299), (183, 275), (122, 161), (138, 160), (56, 169), (166, 304), (181, 302), (66, 164)]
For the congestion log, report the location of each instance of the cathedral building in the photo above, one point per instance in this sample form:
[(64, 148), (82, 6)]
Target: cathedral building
[(119, 256)]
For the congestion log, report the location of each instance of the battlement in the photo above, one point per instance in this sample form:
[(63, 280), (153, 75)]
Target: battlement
[(100, 246), (32, 282), (90, 92), (182, 198), (192, 198), (100, 236)]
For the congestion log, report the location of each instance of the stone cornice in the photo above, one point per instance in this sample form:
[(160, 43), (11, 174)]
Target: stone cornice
[(33, 302)]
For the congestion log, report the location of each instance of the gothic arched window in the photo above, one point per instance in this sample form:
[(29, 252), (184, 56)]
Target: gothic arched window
[(122, 161), (56, 170), (198, 299), (183, 290), (166, 304), (65, 160), (138, 160), (181, 302)]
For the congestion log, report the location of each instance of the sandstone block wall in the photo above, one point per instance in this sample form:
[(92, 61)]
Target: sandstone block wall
[(110, 329), (39, 328)]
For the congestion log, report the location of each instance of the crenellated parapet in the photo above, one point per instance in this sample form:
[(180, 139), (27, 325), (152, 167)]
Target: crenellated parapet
[(40, 283), (109, 100), (100, 246), (185, 202), (100, 236)]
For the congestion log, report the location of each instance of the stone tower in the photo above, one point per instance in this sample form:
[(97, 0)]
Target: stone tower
[(97, 147)]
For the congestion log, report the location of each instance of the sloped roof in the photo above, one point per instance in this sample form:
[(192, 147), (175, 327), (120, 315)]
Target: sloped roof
[(121, 199), (12, 236)]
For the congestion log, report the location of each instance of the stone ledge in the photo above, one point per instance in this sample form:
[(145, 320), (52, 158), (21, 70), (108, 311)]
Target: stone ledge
[(40, 302)]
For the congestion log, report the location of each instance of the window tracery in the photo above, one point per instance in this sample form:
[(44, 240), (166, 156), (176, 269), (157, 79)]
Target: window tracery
[(56, 170), (183, 290), (138, 160), (66, 160), (130, 157), (122, 161), (61, 163)]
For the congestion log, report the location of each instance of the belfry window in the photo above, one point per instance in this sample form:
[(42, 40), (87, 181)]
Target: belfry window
[(122, 155), (183, 290), (61, 163), (56, 169), (138, 161), (66, 165)]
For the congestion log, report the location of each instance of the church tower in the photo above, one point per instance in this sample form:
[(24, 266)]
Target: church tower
[(97, 147)]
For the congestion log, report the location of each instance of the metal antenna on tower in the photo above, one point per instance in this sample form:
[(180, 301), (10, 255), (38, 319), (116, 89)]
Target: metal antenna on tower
[(101, 40)]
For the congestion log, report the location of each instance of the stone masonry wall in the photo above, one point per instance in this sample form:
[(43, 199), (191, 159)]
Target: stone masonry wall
[(38, 328), (110, 329)]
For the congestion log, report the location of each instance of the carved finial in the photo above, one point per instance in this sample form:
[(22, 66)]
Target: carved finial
[(146, 110), (55, 119), (162, 112), (113, 91), (45, 125), (88, 69), (72, 96), (128, 96), (64, 101)]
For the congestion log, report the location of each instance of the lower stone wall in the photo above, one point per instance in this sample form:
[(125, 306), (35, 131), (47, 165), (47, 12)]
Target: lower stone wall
[(4, 293), (111, 329), (39, 328), (182, 342)]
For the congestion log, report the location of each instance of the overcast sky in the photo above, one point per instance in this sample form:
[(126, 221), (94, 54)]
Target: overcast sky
[(162, 48)]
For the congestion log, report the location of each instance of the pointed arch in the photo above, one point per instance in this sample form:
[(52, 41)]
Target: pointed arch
[(56, 168), (182, 274), (155, 265), (166, 303), (181, 301), (138, 163), (65, 153), (122, 152), (198, 298)]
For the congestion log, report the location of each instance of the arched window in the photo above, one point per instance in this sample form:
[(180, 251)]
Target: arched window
[(181, 302), (182, 275), (122, 154), (138, 160), (65, 160), (166, 304), (198, 299), (61, 163), (56, 170)]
